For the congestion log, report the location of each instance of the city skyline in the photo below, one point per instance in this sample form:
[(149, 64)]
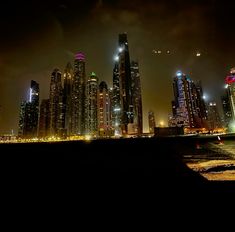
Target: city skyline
[(34, 55)]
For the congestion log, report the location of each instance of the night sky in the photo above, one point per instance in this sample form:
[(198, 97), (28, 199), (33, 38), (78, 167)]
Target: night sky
[(37, 36)]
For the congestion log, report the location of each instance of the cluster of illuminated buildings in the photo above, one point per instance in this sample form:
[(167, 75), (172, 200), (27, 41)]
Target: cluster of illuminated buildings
[(191, 111), (80, 106)]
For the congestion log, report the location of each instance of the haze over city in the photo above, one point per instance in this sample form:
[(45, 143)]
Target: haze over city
[(42, 36)]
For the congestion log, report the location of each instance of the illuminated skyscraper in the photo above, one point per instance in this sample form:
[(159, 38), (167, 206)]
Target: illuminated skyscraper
[(125, 83), (151, 120), (44, 119), (188, 106), (136, 96), (227, 113), (22, 119), (104, 111), (230, 85), (91, 106), (67, 97), (56, 104), (34, 105), (116, 101), (79, 96), (29, 110), (213, 116)]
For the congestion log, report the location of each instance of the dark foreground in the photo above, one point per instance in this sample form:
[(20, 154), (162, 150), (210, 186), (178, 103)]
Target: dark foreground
[(135, 166)]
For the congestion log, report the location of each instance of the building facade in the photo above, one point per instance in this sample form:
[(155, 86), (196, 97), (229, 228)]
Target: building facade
[(136, 97), (214, 121), (104, 111), (91, 105), (67, 98), (151, 122), (56, 104), (230, 86), (29, 112), (125, 83), (44, 119), (78, 120), (188, 106)]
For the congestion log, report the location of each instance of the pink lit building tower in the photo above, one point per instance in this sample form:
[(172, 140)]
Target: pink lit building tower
[(230, 86)]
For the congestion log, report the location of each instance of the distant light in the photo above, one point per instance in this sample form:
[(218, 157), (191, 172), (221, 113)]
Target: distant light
[(126, 43), (226, 86), (204, 97), (30, 95), (159, 52), (116, 109), (232, 71), (88, 137), (120, 49), (116, 58), (198, 54), (179, 73), (161, 123), (211, 104), (168, 52)]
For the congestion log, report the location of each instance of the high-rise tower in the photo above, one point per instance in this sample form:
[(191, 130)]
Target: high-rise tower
[(44, 119), (29, 111), (104, 113), (116, 101), (125, 83), (230, 85), (151, 121), (136, 96), (188, 106), (67, 97), (56, 104), (79, 96), (91, 106)]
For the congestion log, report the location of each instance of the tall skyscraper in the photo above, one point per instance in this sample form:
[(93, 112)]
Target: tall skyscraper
[(22, 119), (67, 97), (227, 112), (91, 106), (151, 121), (44, 119), (230, 85), (136, 96), (79, 96), (34, 107), (188, 106), (116, 101), (200, 105), (104, 111), (29, 110), (125, 83), (56, 104), (213, 116)]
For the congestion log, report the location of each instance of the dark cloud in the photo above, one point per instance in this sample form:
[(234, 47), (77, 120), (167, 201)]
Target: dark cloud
[(37, 36)]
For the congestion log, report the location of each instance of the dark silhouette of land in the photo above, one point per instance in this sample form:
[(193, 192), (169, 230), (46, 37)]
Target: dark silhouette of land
[(150, 165)]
